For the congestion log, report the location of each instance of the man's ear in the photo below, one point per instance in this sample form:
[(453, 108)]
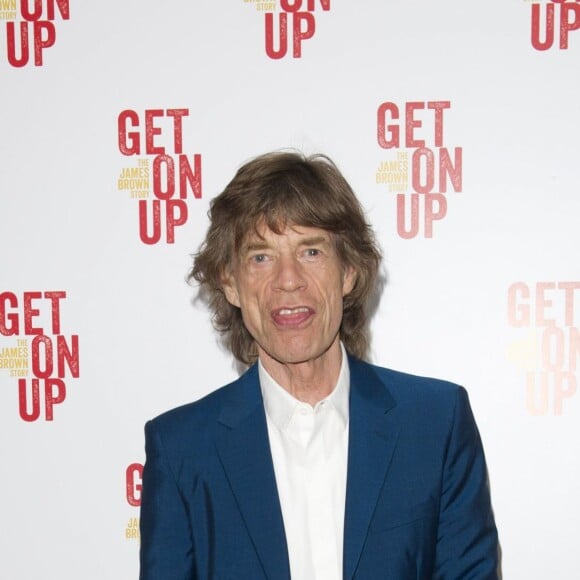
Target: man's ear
[(230, 289), (348, 280)]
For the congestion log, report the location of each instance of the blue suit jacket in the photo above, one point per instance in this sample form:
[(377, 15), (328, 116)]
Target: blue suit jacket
[(417, 500)]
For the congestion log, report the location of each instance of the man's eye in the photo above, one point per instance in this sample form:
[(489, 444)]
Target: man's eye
[(259, 258), (312, 252)]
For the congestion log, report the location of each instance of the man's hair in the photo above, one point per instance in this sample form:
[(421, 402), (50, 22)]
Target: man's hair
[(277, 190)]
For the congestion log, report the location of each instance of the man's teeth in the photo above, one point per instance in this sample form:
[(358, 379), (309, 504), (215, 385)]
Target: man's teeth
[(291, 311)]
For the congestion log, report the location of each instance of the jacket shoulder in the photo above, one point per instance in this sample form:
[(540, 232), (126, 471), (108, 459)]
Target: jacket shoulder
[(197, 416), (406, 381), (409, 389)]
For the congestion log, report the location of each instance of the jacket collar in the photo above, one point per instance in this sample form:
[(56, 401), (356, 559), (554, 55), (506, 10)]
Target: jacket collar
[(244, 450), (373, 434)]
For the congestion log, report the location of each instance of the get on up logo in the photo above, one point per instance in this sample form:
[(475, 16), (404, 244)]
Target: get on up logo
[(27, 39), (288, 28), (158, 134), (415, 131), (553, 21)]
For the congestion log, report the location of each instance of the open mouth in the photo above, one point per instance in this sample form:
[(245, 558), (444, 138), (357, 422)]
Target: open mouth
[(292, 316)]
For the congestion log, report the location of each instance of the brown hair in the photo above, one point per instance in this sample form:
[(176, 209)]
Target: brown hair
[(279, 189)]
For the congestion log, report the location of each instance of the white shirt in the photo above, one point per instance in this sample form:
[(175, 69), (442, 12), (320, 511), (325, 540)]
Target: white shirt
[(309, 451)]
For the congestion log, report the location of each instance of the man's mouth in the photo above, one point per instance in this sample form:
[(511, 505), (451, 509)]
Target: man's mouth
[(291, 317)]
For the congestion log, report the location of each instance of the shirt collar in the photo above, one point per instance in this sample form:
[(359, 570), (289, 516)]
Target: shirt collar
[(280, 405)]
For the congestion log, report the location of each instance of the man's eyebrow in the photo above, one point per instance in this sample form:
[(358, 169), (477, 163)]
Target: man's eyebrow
[(254, 246), (259, 245), (314, 241)]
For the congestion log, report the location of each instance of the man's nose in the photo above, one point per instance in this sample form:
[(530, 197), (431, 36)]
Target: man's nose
[(289, 275)]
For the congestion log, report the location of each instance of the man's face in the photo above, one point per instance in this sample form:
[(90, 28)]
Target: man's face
[(290, 287)]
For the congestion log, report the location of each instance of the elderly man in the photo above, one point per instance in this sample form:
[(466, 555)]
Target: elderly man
[(313, 465)]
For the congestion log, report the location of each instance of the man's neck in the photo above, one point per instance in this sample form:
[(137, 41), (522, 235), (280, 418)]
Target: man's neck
[(309, 381)]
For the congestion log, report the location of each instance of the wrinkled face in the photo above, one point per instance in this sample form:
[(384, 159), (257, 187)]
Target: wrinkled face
[(290, 288)]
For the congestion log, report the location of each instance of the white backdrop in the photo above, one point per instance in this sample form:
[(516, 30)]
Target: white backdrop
[(483, 280)]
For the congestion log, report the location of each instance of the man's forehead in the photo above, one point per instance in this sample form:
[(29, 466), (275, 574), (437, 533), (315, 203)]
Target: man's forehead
[(262, 234)]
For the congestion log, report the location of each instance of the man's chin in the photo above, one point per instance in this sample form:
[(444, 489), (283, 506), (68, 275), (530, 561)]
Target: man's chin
[(292, 355)]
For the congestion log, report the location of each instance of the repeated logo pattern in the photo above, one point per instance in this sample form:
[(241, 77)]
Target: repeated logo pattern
[(287, 28), (164, 170), (424, 169), (549, 351), (552, 23), (41, 356), (31, 28)]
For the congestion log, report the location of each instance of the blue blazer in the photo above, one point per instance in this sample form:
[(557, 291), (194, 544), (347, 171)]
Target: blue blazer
[(417, 499)]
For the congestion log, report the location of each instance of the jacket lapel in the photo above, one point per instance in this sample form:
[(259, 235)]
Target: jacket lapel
[(373, 433), (244, 450)]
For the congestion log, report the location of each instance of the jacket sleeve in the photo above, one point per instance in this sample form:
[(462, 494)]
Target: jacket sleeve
[(166, 551), (467, 542)]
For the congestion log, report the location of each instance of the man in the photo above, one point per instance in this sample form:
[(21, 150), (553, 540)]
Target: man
[(313, 465)]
